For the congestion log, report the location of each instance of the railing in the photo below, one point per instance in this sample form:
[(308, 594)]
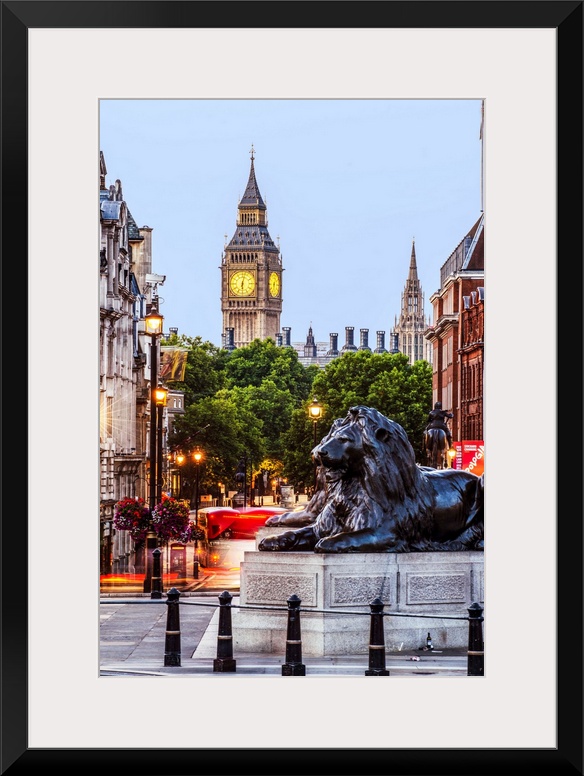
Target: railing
[(293, 665)]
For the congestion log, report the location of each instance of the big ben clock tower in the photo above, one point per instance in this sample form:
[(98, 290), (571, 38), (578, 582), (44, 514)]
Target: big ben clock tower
[(251, 273)]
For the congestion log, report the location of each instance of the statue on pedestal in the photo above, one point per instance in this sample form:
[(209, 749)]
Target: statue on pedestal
[(437, 437), (372, 496)]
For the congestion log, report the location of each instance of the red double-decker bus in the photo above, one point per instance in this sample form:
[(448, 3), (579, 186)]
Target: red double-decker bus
[(241, 523)]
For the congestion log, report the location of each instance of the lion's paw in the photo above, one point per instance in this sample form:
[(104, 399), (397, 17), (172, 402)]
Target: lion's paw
[(283, 541), (331, 544), (269, 543)]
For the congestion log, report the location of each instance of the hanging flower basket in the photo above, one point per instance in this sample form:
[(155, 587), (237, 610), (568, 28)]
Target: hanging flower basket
[(191, 533), (132, 515), (170, 519)]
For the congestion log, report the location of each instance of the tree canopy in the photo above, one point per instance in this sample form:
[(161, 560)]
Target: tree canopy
[(385, 381), (264, 360), (253, 402), (225, 431), (205, 368)]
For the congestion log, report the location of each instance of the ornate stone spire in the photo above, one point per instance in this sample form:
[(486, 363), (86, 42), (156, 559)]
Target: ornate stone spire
[(413, 275), (251, 195)]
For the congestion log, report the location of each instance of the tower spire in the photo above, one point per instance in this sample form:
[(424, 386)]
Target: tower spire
[(251, 195), (251, 271), (413, 274)]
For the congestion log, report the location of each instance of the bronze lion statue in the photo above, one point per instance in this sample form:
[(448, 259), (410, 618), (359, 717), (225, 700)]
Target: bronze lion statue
[(372, 496)]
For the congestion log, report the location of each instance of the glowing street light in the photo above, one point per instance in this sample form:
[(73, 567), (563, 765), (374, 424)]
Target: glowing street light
[(315, 414), (153, 326), (160, 396), (153, 322), (197, 457)]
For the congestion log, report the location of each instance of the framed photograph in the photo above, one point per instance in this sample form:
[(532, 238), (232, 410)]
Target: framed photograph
[(524, 59)]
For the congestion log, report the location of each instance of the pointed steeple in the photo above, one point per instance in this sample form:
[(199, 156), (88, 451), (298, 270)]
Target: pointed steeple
[(407, 334), (413, 274), (252, 219), (310, 346), (251, 195)]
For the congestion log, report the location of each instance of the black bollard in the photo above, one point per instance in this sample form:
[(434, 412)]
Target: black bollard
[(376, 641), (172, 641), (293, 665), (224, 662), (156, 575), (476, 647)]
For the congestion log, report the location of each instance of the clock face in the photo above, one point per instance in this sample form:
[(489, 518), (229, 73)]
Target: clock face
[(274, 284), (242, 283)]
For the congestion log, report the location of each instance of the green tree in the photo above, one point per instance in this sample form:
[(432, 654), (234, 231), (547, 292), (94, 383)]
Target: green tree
[(385, 381), (297, 443), (262, 360), (205, 368), (224, 430), (271, 405)]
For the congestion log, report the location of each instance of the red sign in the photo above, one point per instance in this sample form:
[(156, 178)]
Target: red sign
[(470, 456)]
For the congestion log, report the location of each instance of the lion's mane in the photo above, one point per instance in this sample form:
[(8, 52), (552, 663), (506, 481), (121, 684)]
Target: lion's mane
[(386, 485), (374, 497)]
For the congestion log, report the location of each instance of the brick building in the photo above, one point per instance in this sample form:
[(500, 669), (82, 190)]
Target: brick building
[(454, 335)]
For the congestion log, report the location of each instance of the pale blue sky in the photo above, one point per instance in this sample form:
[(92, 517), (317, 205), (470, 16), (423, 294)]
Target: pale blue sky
[(347, 184)]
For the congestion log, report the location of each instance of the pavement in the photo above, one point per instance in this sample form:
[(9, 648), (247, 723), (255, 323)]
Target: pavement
[(133, 640)]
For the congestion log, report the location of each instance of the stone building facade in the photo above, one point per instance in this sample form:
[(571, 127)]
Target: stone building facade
[(126, 291)]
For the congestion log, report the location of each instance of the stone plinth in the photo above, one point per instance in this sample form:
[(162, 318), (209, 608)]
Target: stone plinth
[(440, 584)]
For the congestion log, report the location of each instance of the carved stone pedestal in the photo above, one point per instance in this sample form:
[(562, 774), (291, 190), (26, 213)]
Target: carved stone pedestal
[(438, 585)]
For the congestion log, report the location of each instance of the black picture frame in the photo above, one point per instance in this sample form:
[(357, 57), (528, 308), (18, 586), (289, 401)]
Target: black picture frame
[(566, 17)]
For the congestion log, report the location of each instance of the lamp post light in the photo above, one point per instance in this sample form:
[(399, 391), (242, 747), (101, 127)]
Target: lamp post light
[(315, 414), (197, 457), (160, 397), (451, 456), (153, 326), (153, 323), (179, 459)]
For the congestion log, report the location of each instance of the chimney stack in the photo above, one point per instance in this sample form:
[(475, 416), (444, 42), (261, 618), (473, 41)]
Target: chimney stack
[(349, 344), (364, 342), (229, 338), (334, 340), (380, 343)]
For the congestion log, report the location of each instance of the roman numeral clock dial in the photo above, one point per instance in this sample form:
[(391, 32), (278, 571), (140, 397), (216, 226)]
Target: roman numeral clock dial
[(274, 284), (242, 283)]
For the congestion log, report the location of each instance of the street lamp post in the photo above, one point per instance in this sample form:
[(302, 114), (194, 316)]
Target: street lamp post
[(315, 413), (160, 397), (153, 325), (179, 460), (197, 456)]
